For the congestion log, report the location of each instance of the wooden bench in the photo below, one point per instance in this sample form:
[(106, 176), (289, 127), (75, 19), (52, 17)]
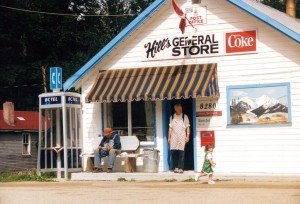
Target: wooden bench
[(130, 144)]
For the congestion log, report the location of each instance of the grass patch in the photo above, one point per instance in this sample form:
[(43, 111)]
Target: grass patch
[(121, 179), (170, 180), (190, 179), (26, 176)]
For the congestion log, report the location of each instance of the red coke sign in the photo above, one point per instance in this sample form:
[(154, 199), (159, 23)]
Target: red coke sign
[(239, 42)]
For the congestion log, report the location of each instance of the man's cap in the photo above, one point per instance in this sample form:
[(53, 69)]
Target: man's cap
[(107, 131)]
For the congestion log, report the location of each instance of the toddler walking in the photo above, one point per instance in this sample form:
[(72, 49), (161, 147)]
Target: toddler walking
[(207, 168)]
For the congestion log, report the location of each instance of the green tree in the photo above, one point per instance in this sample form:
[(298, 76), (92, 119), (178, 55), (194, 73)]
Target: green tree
[(29, 41)]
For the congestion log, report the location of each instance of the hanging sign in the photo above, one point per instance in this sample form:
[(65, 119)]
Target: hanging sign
[(196, 15)]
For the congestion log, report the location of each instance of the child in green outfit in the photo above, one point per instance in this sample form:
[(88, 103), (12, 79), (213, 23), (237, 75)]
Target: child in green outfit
[(207, 165)]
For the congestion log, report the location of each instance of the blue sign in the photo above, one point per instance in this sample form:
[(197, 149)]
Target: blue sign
[(72, 100), (51, 100), (55, 78)]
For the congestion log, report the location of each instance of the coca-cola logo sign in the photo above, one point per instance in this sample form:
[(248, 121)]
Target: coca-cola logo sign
[(241, 42)]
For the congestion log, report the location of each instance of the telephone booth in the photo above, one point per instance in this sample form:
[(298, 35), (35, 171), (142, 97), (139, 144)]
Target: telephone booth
[(59, 147)]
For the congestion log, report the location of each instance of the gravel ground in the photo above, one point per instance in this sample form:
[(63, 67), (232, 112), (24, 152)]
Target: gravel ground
[(132, 192)]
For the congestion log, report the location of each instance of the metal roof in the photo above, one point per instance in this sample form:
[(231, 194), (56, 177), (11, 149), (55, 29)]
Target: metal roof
[(280, 21), (24, 121)]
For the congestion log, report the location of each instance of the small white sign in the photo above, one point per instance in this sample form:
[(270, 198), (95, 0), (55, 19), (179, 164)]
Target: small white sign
[(196, 15), (208, 114)]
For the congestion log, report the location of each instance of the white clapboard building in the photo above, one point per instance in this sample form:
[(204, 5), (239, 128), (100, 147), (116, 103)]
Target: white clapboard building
[(236, 70)]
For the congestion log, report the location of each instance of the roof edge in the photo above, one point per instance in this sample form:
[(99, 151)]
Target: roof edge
[(113, 43), (266, 19)]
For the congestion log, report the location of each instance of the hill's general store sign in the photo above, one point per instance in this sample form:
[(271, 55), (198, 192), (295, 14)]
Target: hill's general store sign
[(202, 45)]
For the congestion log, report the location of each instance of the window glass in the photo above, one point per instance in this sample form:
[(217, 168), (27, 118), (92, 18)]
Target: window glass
[(117, 117), (26, 144), (142, 114), (141, 119)]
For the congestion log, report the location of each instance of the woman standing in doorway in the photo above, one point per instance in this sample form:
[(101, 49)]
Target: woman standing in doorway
[(179, 135)]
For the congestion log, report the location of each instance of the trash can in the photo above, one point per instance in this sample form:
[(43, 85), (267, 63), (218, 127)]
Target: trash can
[(151, 160)]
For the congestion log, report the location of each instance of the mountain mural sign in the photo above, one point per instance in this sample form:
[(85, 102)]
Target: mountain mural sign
[(259, 104)]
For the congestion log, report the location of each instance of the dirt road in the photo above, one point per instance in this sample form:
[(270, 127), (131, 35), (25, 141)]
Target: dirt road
[(150, 192)]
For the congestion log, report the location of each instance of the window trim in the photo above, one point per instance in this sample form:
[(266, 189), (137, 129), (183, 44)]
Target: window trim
[(29, 144)]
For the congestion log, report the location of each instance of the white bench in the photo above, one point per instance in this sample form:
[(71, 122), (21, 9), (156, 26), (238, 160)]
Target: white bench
[(130, 144)]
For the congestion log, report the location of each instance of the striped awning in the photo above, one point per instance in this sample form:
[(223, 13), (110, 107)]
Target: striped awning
[(152, 83)]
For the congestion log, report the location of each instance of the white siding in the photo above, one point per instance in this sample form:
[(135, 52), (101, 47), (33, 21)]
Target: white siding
[(272, 149)]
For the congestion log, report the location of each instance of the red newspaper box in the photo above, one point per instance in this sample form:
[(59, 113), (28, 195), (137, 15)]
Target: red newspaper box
[(207, 137)]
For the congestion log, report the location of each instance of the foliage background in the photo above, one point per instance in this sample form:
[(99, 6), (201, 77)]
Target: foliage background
[(29, 41)]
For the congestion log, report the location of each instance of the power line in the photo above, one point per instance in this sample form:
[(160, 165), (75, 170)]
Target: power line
[(18, 86), (65, 14)]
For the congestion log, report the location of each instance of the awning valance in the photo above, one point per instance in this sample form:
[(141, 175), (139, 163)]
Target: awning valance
[(152, 83)]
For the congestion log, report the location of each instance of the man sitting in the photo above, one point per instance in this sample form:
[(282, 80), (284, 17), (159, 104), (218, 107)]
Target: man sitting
[(110, 146)]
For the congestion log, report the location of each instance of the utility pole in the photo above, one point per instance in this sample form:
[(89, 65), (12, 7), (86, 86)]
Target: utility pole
[(47, 112), (44, 79), (291, 7)]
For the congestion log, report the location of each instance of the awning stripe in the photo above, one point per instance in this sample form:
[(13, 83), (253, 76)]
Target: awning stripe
[(117, 96), (167, 83), (113, 87), (152, 83), (160, 80), (199, 81), (125, 95), (139, 77), (99, 86), (206, 82), (192, 81), (178, 73), (107, 85), (145, 81), (184, 81)]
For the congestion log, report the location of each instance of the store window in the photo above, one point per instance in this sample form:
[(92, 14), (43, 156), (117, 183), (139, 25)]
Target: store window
[(26, 144), (132, 118)]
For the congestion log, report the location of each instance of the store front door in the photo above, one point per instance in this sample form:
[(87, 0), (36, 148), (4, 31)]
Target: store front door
[(168, 110)]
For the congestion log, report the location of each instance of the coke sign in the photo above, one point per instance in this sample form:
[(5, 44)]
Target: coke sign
[(241, 42)]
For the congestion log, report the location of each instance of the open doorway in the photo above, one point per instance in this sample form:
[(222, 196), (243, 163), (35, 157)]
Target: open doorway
[(187, 107)]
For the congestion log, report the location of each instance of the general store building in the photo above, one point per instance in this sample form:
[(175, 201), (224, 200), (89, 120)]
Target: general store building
[(236, 71)]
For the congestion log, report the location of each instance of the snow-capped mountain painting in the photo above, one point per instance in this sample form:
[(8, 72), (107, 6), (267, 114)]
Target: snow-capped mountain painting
[(259, 105)]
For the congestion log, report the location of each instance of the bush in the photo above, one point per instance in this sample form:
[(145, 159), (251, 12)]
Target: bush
[(26, 176)]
